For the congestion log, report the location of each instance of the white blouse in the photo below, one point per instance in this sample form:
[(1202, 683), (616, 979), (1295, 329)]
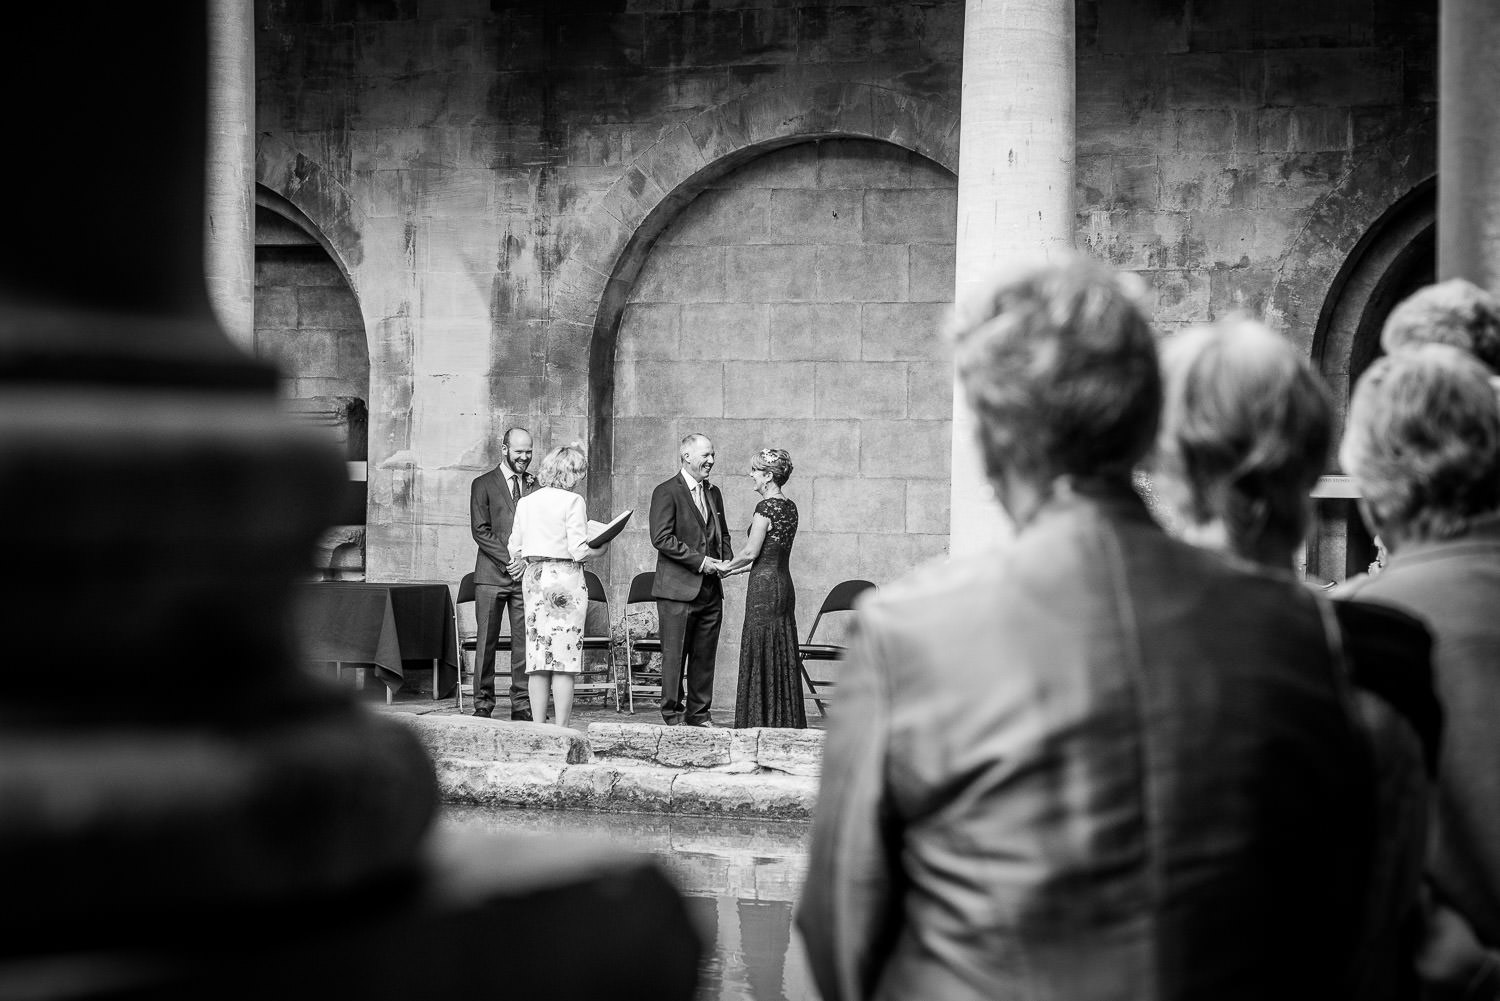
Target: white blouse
[(551, 522)]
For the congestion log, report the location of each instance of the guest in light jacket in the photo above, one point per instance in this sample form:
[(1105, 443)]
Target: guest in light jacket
[(548, 544)]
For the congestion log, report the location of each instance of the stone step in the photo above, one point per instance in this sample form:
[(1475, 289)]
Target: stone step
[(475, 739), (792, 752), (611, 786)]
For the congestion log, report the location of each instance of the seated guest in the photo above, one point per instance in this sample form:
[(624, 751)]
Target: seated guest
[(1455, 312), (1095, 763), (1246, 430), (1422, 443)]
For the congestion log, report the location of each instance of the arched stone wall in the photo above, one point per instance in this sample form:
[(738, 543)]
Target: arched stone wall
[(595, 281)]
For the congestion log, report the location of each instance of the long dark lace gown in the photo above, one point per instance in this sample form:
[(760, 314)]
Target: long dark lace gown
[(770, 685)]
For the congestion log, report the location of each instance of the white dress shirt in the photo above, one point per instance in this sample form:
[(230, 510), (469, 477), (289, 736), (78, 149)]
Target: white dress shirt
[(700, 495), (551, 522)]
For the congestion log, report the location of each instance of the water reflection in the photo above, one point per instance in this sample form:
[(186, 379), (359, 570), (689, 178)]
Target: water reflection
[(741, 879)]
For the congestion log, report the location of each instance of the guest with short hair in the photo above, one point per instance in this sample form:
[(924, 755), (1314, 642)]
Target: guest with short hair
[(549, 544), (1422, 443), (1246, 431), (1094, 763), (1455, 312)]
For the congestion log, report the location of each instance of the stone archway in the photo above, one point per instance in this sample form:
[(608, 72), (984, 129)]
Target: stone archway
[(1397, 256), (594, 283)]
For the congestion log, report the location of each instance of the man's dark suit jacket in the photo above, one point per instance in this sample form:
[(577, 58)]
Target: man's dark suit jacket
[(682, 538), (492, 511), (1096, 764)]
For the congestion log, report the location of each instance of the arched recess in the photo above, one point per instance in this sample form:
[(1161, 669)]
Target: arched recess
[(597, 278), (1395, 257), (308, 321)]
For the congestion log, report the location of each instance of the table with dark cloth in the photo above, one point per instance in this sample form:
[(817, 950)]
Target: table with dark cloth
[(384, 625)]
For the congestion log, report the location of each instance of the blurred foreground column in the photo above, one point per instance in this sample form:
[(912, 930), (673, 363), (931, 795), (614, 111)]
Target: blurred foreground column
[(1468, 230), (184, 811), (1015, 188), (229, 257)]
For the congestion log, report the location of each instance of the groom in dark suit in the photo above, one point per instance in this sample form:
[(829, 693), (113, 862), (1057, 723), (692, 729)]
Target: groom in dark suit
[(492, 510), (692, 544)]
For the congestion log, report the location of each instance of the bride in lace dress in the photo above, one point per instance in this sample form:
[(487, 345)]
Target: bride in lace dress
[(770, 684)]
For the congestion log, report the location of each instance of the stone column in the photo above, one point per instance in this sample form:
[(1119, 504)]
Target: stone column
[(1015, 186), (229, 226)]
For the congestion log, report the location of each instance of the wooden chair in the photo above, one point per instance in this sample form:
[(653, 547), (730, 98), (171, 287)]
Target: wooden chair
[(639, 684), (840, 599)]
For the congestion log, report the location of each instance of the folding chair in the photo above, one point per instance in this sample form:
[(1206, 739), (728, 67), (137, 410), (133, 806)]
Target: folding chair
[(597, 593), (471, 643), (840, 599), (640, 590)]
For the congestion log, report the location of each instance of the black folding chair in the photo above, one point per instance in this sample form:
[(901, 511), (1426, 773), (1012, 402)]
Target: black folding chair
[(840, 599), (637, 683), (597, 593)]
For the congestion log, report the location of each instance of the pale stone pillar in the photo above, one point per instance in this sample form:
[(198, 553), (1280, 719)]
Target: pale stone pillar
[(1468, 230), (1015, 187), (229, 224)]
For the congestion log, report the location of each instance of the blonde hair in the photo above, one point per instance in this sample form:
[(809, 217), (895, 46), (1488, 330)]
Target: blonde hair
[(563, 467), (775, 461)]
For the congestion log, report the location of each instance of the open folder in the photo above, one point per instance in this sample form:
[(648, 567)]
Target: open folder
[(602, 532)]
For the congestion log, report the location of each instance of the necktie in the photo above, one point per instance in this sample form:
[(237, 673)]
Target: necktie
[(515, 488), (698, 500)]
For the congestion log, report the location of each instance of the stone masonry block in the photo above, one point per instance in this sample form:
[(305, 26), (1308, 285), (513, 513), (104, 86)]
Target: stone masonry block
[(275, 307), (818, 447), (638, 741), (650, 330), (911, 216), (669, 389), (888, 557), (816, 216), (725, 331), (587, 787), (768, 389), (903, 331), (795, 752), (497, 740), (499, 783), (928, 503), (723, 217), (932, 273), (773, 273), (819, 559), (1148, 27), (644, 443), (782, 797), (681, 274), (862, 163), (1333, 77), (1180, 295), (842, 504), (860, 389), (929, 390), (861, 274), (744, 746), (814, 332), (905, 449), (794, 166), (692, 747), (642, 790)]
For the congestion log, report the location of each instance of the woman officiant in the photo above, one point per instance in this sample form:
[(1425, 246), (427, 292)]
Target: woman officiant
[(548, 543)]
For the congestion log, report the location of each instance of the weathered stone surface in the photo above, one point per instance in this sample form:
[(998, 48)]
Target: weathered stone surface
[(784, 797), (469, 737), (642, 790), (500, 783), (744, 746), (587, 787), (638, 741), (693, 747), (795, 752)]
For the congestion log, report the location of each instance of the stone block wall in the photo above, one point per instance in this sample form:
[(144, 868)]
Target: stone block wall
[(308, 322), (492, 178), (778, 310)]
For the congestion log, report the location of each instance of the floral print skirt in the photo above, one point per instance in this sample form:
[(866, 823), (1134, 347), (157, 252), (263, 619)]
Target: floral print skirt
[(556, 603)]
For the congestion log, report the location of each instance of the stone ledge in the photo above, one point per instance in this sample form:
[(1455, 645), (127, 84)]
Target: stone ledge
[(792, 752), (626, 789), (473, 738)]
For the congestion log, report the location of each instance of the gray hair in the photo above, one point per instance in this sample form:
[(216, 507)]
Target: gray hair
[(1246, 431), (563, 467), (776, 461), (1454, 312), (1423, 442), (1059, 364)]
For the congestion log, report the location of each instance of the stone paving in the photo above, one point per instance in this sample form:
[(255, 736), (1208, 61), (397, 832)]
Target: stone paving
[(617, 762)]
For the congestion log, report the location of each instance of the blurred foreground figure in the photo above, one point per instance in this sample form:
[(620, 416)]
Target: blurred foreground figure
[(1098, 763), (1423, 445), (184, 813), (1246, 431), (1455, 312)]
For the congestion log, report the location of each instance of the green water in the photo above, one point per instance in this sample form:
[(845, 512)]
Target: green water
[(741, 879)]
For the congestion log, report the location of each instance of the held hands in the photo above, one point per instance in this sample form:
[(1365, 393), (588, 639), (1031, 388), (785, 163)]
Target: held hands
[(515, 568)]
